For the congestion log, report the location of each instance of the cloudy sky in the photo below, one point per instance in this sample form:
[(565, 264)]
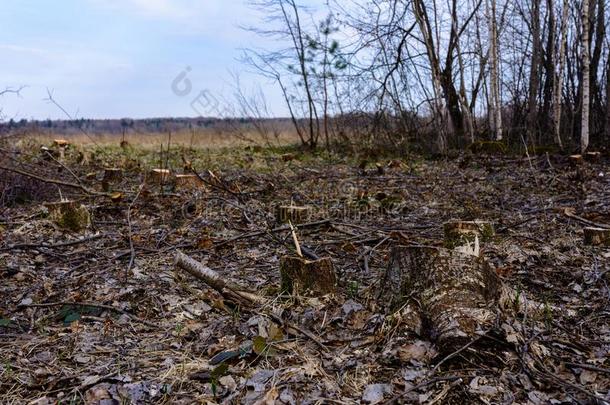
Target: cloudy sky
[(119, 58)]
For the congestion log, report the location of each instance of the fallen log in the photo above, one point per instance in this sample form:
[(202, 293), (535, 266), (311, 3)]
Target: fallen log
[(238, 294), (210, 277), (456, 293)]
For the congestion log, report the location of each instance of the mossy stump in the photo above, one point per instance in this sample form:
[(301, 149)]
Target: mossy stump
[(187, 182), (307, 277), (597, 236), (159, 176), (460, 233), (455, 294), (294, 214), (69, 215)]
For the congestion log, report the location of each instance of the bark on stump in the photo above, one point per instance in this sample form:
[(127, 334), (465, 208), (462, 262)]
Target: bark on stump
[(597, 236), (61, 145), (307, 277), (576, 160), (160, 176), (593, 156), (69, 215), (456, 293), (294, 214), (111, 175), (187, 182), (459, 233)]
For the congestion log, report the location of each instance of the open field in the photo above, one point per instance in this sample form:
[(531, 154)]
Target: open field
[(200, 138), (103, 314)]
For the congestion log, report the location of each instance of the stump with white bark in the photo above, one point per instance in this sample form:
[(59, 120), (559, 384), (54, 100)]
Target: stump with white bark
[(597, 236), (460, 233), (294, 214), (69, 215), (159, 176), (456, 293), (308, 277)]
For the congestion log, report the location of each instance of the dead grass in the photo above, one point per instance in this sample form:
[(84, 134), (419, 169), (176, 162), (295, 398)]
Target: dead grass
[(202, 138)]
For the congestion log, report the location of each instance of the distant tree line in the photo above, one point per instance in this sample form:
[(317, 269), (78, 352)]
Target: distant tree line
[(127, 125), (445, 74)]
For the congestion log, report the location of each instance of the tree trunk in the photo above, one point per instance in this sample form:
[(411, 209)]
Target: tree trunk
[(608, 101), (586, 99), (596, 55), (558, 77), (439, 108), (534, 81), (496, 105), (549, 68)]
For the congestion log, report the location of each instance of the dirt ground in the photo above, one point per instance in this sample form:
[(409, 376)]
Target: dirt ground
[(103, 316)]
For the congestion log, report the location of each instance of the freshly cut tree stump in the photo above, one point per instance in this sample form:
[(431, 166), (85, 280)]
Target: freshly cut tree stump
[(597, 236), (61, 145), (69, 215), (160, 176), (576, 160), (593, 156), (307, 277), (294, 214), (456, 293), (459, 233), (187, 182), (111, 175)]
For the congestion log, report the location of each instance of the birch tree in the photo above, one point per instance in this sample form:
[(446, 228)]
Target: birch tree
[(558, 76), (586, 99), (496, 104)]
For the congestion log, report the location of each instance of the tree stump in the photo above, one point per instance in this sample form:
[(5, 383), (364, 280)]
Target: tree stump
[(294, 214), (307, 277), (597, 236), (69, 215), (459, 233), (593, 156), (61, 145), (187, 182), (576, 160), (111, 175), (456, 293), (159, 176)]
